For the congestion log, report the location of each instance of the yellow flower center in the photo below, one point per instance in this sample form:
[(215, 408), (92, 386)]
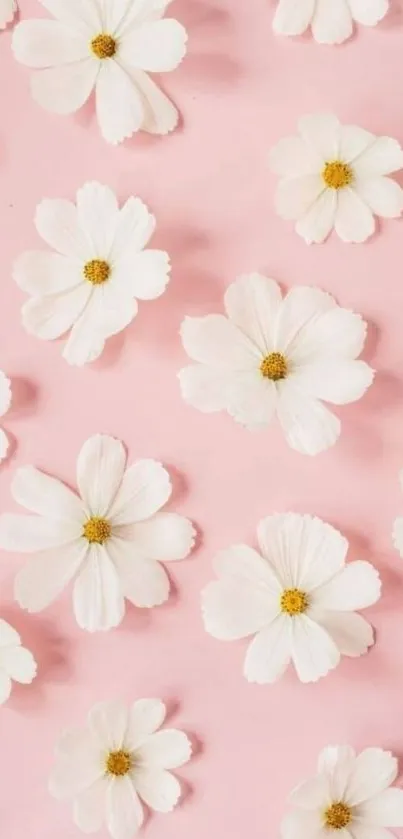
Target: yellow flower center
[(337, 175), (97, 271), (274, 366), (119, 763), (97, 530), (103, 46), (337, 816), (293, 601)]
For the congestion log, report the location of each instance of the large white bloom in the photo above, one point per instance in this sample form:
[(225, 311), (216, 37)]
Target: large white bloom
[(334, 176), (8, 9), (108, 46), (331, 20), (273, 356), (110, 539), (99, 268), (351, 797), (298, 598), (5, 402), (16, 662), (117, 759)]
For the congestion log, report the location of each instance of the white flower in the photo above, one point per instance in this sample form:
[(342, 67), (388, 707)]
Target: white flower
[(5, 402), (8, 9), (331, 20), (91, 283), (16, 663), (298, 599), (397, 533), (109, 47), (351, 797), (273, 356), (110, 538), (334, 176), (117, 759)]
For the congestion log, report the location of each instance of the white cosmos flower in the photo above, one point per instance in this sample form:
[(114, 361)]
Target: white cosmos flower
[(8, 9), (108, 46), (297, 598), (117, 759), (16, 662), (98, 269), (331, 20), (277, 356), (397, 532), (5, 402), (351, 797), (335, 176), (109, 539)]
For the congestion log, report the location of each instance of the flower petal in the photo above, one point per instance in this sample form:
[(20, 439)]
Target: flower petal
[(355, 587), (81, 14), (353, 141), (4, 444), (252, 303), (57, 223), (385, 809), (268, 655), (19, 663), (45, 576), (157, 46), (374, 770), (5, 686), (165, 536), (64, 89), (134, 228), (48, 43), (159, 789), (313, 651), (97, 597), (293, 18), (100, 469), (215, 340), (292, 157), (311, 794), (5, 393), (362, 830), (160, 114), (203, 387), (337, 762), (9, 636), (382, 157), (40, 272), (165, 749), (354, 220), (8, 9), (318, 221), (295, 196), (339, 382), (300, 825), (124, 813), (145, 275), (145, 488), (46, 496), (28, 534), (322, 132), (251, 399), (369, 14), (97, 213), (308, 426), (333, 334), (108, 722), (145, 717), (52, 316), (73, 774), (301, 308), (88, 807), (143, 581), (351, 633), (240, 562), (119, 106), (106, 314), (332, 25), (383, 196)]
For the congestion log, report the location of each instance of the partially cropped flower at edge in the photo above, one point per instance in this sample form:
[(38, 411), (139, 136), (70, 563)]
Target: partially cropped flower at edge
[(331, 22), (8, 9), (17, 664)]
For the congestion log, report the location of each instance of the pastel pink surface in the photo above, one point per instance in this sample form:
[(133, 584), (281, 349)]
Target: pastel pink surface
[(239, 91)]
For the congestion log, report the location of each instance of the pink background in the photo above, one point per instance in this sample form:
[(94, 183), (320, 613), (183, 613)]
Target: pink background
[(239, 90)]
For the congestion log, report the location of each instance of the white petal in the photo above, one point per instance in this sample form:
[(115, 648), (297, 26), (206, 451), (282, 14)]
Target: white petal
[(52, 316), (252, 303), (240, 562), (45, 576), (374, 770), (97, 213), (64, 89), (120, 110), (124, 813), (268, 655), (322, 132), (19, 663), (165, 536), (145, 717), (134, 229), (308, 426), (292, 157), (338, 763), (251, 399), (383, 196), (301, 308), (73, 774), (397, 535), (318, 221), (369, 14), (9, 636), (160, 114), (27, 534), (355, 587), (333, 334), (46, 496), (100, 469), (40, 272), (108, 722), (313, 651), (385, 809), (121, 13), (88, 807), (214, 340), (156, 47), (47, 43), (166, 749), (300, 825), (8, 9), (106, 314), (159, 790), (5, 686), (203, 387), (97, 596), (332, 24), (354, 220), (5, 393), (57, 223), (145, 488), (382, 157), (145, 275), (339, 382), (143, 581), (295, 196), (353, 141), (293, 18), (362, 830), (81, 14), (4, 444), (303, 550), (311, 794), (351, 633)]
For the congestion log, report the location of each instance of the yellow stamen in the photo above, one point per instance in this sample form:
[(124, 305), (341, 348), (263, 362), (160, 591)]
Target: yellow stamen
[(337, 175), (97, 271), (274, 366), (119, 763), (103, 46), (97, 530), (293, 602), (337, 816)]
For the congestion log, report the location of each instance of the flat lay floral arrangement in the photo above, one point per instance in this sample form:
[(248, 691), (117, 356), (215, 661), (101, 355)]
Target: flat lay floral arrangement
[(201, 457)]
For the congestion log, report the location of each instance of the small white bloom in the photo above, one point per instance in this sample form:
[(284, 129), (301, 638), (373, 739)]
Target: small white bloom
[(331, 21), (5, 402), (16, 663), (334, 176), (298, 598), (110, 539), (109, 47), (351, 797), (99, 268), (8, 9), (397, 532), (119, 758), (273, 356)]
